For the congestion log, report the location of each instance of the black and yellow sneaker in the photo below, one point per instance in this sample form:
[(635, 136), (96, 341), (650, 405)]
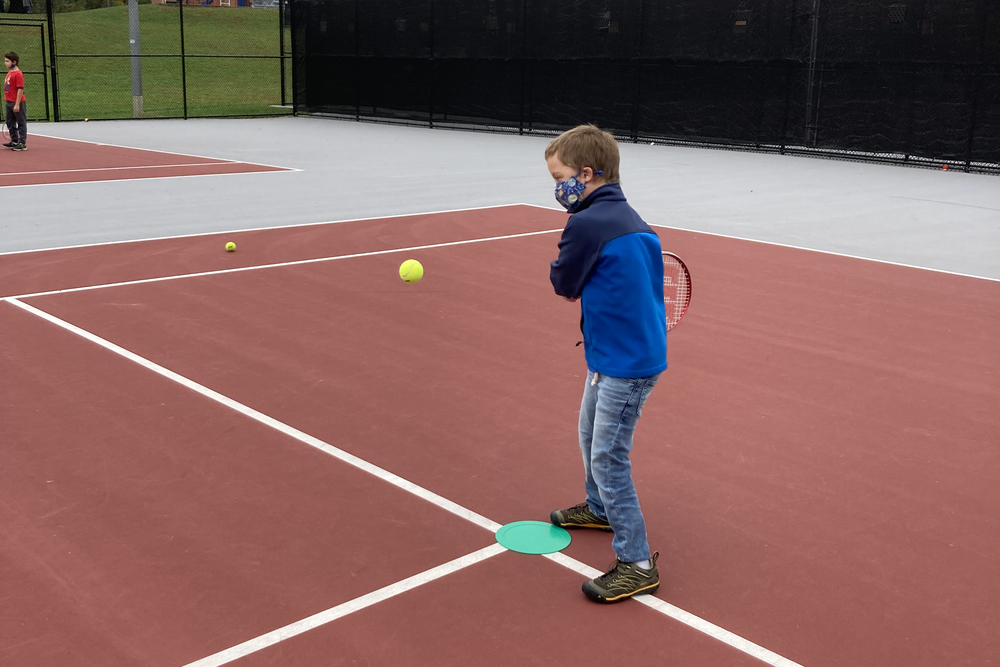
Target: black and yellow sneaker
[(623, 581), (578, 516)]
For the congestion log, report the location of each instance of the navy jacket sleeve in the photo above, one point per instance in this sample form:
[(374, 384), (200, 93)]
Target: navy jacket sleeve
[(578, 253)]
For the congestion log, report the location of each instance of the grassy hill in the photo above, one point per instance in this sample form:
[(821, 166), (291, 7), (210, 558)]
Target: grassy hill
[(231, 65)]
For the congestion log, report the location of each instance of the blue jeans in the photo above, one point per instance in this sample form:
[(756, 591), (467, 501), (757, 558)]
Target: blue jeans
[(17, 123), (608, 416)]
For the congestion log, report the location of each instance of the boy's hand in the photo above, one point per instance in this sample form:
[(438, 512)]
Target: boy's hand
[(17, 108)]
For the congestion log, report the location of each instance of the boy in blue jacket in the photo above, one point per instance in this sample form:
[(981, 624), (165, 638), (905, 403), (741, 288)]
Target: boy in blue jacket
[(610, 260)]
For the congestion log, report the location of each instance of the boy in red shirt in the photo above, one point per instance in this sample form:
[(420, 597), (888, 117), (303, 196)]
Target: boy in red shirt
[(13, 95)]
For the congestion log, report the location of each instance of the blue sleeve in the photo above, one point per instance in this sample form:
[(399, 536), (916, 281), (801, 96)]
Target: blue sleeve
[(578, 253)]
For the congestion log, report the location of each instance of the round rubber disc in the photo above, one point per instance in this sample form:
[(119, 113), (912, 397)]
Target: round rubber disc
[(533, 537)]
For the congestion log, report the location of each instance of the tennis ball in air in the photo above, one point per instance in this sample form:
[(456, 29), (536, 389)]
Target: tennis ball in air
[(230, 247), (411, 271)]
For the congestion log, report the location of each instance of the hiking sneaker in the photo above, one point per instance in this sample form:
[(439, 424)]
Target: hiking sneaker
[(19, 147), (623, 581), (578, 516)]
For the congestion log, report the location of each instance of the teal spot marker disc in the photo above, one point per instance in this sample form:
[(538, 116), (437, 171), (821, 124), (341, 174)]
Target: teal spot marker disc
[(533, 537)]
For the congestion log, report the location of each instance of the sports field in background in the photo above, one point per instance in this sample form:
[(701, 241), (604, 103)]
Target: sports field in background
[(232, 65)]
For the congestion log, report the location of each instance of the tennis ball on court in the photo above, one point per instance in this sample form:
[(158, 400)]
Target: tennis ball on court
[(411, 271), (230, 247), (86, 120)]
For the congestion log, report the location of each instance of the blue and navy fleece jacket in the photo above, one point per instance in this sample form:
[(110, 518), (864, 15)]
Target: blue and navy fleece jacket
[(610, 259)]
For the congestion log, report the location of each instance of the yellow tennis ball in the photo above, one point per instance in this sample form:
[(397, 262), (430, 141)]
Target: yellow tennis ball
[(230, 247), (411, 271)]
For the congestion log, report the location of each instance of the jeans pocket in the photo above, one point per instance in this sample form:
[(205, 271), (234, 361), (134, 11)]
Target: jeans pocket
[(643, 395), (644, 387), (635, 390)]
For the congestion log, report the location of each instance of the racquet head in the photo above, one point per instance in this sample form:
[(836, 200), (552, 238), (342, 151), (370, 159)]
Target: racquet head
[(676, 288)]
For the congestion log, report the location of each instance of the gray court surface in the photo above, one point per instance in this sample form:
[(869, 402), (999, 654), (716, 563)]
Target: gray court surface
[(934, 219)]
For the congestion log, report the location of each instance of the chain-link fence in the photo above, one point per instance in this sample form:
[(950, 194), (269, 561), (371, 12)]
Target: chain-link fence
[(150, 58), (25, 35), (910, 81)]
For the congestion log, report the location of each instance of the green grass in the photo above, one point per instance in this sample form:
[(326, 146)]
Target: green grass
[(24, 41), (100, 87)]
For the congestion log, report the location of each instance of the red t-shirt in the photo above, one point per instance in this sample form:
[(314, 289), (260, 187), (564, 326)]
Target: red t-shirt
[(13, 81)]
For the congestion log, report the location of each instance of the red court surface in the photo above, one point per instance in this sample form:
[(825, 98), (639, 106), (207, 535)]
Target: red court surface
[(471, 618), (818, 468), (52, 160), (23, 273)]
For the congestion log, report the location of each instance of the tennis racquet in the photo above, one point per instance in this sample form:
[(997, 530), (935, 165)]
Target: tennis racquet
[(676, 288), (3, 128)]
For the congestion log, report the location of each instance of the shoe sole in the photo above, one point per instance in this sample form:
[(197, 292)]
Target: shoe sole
[(596, 526), (597, 597)]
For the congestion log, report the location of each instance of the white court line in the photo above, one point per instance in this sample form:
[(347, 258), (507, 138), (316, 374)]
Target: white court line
[(665, 608), (281, 427), (685, 617), (145, 166), (257, 267), (260, 229), (341, 610), (142, 179), (154, 150), (795, 247)]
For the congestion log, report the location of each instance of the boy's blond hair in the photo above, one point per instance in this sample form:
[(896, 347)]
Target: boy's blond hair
[(587, 146)]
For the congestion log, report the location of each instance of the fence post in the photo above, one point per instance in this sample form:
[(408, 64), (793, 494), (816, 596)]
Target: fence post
[(972, 119), (432, 68), (281, 46), (911, 112), (357, 62), (637, 73), (184, 89), (980, 67), (810, 135), (135, 59), (45, 70), (52, 60), (295, 49), (789, 70), (524, 66)]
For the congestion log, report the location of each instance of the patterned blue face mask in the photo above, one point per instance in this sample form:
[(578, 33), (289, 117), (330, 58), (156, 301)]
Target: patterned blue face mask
[(569, 193)]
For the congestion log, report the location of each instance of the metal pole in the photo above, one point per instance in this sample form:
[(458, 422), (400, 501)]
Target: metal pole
[(432, 66), (136, 57), (637, 70), (184, 87), (45, 71), (281, 46), (526, 71), (52, 60), (980, 68), (296, 48), (810, 135), (357, 63)]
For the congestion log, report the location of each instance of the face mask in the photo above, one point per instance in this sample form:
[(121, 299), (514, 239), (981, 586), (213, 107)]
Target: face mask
[(569, 193)]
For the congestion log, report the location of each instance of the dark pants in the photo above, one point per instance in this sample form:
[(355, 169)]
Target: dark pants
[(17, 123)]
